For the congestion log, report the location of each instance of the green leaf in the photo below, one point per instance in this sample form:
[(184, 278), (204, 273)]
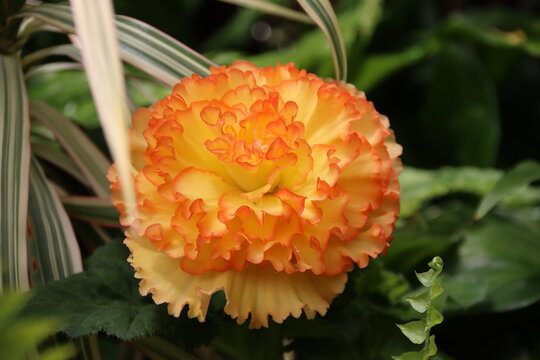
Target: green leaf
[(52, 245), (435, 317), (460, 119), (436, 289), (272, 9), (414, 331), (323, 15), (498, 267), (90, 160), (420, 302), (14, 170), (92, 209), (426, 278), (514, 181), (103, 298), (432, 347), (418, 331), (141, 45)]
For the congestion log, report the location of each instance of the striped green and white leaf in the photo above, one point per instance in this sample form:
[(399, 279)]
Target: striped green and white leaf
[(14, 168), (141, 45), (95, 29), (271, 8), (324, 16), (92, 209), (52, 246), (89, 159)]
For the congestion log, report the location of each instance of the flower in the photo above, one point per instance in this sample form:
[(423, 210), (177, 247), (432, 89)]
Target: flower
[(266, 183)]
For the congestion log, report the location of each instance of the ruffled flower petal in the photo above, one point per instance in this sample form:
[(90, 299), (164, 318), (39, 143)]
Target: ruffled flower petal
[(255, 293)]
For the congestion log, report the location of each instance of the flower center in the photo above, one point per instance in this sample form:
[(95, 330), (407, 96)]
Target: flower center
[(254, 143)]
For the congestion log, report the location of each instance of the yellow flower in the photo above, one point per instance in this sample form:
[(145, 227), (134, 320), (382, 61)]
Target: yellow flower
[(268, 184)]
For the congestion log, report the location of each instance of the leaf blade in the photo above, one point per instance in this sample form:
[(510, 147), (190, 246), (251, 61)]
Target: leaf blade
[(94, 24), (52, 242), (515, 180), (323, 15), (14, 168)]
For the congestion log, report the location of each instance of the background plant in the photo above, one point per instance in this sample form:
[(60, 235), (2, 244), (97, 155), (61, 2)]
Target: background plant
[(458, 83)]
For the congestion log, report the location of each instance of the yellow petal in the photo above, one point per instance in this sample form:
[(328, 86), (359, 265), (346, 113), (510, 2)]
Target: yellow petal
[(257, 291)]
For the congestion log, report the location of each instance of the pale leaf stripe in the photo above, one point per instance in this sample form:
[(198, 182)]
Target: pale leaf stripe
[(52, 245), (14, 168), (141, 45), (94, 24), (90, 160), (272, 9), (323, 15)]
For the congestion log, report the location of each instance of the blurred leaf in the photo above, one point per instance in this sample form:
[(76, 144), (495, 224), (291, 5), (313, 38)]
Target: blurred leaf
[(14, 170), (62, 50), (90, 160), (419, 186), (496, 28), (386, 285), (498, 267), (515, 180), (59, 159), (68, 92), (52, 67), (105, 297), (460, 121), (323, 15), (52, 245), (377, 67), (271, 8), (92, 209), (19, 336)]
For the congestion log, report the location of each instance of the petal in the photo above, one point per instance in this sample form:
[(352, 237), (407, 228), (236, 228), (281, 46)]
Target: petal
[(257, 291)]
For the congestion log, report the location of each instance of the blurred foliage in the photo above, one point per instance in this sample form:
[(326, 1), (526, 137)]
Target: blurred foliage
[(20, 336), (459, 81)]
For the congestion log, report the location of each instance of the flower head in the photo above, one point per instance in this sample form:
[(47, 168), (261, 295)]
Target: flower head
[(268, 184)]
